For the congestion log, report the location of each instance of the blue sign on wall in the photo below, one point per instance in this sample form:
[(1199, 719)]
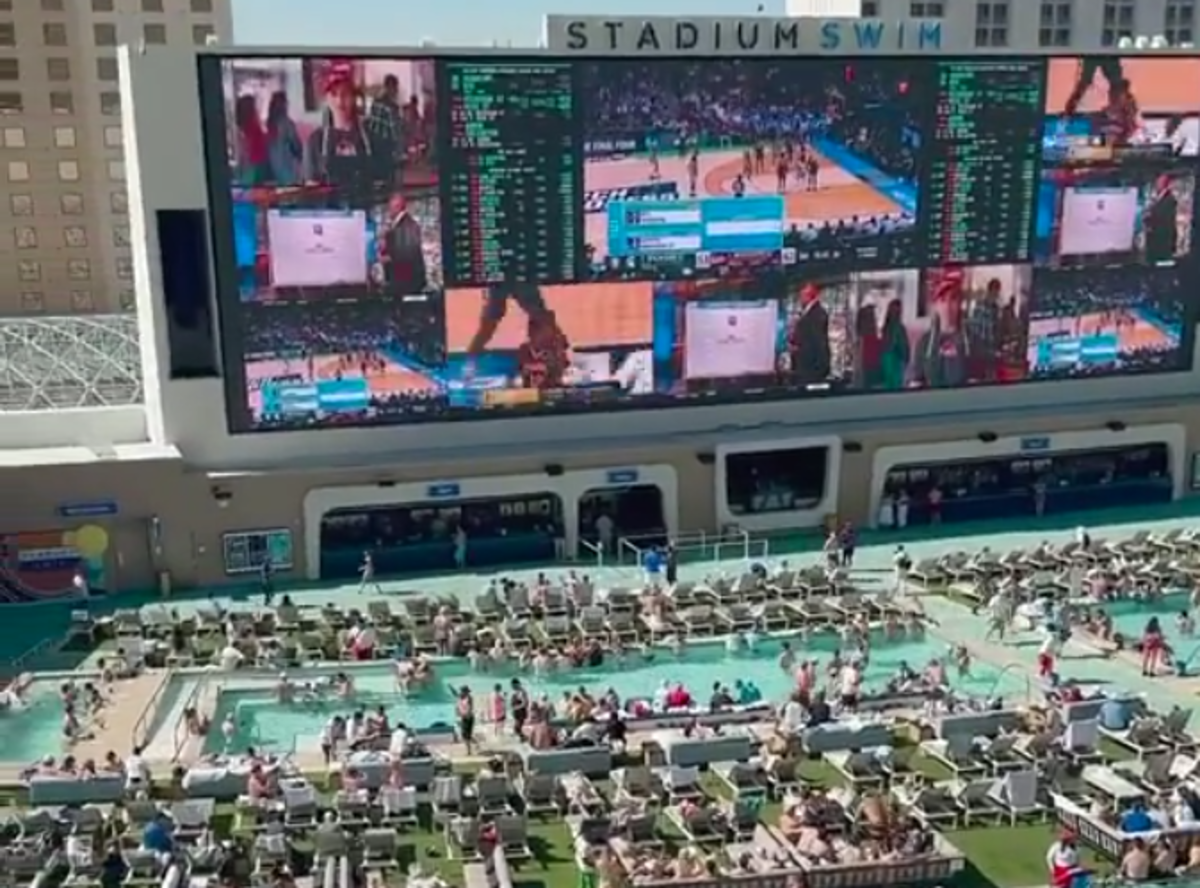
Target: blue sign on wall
[(1035, 445), (87, 509), (445, 490), (622, 476)]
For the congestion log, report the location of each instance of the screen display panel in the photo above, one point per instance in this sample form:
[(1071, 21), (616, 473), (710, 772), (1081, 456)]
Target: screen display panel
[(404, 240)]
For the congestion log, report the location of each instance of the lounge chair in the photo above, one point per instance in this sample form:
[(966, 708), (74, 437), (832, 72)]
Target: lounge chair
[(935, 806), (462, 838), (446, 797), (515, 631), (398, 806), (592, 623), (540, 793), (1175, 732), (493, 793), (700, 619), (859, 769), (1159, 771), (742, 816), (1001, 754), (1143, 737), (698, 823), (581, 795), (783, 776), (1036, 748), (623, 625), (744, 780), (974, 801), (737, 617), (926, 574), (637, 784), (379, 845), (957, 752), (1081, 739), (513, 836), (300, 805), (1017, 795), (681, 784), (773, 616)]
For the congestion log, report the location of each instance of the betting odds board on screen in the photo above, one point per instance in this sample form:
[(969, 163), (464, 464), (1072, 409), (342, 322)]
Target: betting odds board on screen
[(407, 240)]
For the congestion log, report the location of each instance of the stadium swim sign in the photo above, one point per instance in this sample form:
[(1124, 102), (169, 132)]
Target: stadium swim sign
[(712, 35)]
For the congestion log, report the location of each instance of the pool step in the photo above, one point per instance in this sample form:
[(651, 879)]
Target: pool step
[(122, 716)]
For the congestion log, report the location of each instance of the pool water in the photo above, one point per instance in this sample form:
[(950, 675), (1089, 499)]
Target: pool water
[(264, 722), (1130, 618), (33, 731)]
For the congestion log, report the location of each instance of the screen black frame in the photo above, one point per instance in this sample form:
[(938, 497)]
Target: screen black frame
[(218, 182)]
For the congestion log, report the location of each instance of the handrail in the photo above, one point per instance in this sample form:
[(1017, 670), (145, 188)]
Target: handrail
[(140, 733), (189, 702), (1000, 675), (595, 548), (625, 543), (30, 653)]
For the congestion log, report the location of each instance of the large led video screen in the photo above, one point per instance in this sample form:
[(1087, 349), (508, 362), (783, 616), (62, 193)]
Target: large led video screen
[(405, 240)]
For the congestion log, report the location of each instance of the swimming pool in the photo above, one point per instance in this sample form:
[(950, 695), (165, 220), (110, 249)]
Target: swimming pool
[(264, 722), (1130, 618), (34, 730)]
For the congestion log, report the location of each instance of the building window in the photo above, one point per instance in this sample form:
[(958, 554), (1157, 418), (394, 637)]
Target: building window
[(870, 9), (53, 5), (62, 102), (82, 302), (106, 69), (245, 551), (1179, 22), (8, 34), (20, 204), (125, 268), (79, 269), (110, 104), (116, 171), (1118, 19), (104, 34), (75, 236), (120, 236), (202, 7), (29, 271), (103, 5), (14, 137), (991, 23), (12, 103), (18, 171), (112, 137), (10, 69), (68, 171), (64, 137), (127, 300), (929, 9), (118, 202), (25, 237), (32, 302), (201, 33), (54, 34), (152, 5), (155, 35), (58, 69), (1054, 37), (71, 204)]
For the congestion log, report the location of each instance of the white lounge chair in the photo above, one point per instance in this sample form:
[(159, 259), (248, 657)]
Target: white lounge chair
[(1017, 795)]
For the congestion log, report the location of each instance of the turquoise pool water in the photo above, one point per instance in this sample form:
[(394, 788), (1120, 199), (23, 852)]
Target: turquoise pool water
[(33, 731), (1130, 618), (264, 722)]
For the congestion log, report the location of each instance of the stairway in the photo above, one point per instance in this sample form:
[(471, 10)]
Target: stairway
[(122, 716)]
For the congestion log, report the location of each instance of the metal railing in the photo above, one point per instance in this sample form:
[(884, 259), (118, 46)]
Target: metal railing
[(1003, 672), (590, 552), (18, 663), (180, 730), (140, 734)]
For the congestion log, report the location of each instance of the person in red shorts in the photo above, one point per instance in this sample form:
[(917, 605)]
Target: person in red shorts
[(1154, 647)]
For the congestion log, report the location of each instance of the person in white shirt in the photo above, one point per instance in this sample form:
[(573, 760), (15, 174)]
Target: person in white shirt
[(366, 570), (605, 528), (901, 565), (791, 719), (399, 740), (137, 772), (851, 685), (231, 658)]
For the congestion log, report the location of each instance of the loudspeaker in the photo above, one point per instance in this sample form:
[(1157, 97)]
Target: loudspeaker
[(554, 470), (187, 293), (988, 437), (1115, 425), (851, 447), (705, 458)]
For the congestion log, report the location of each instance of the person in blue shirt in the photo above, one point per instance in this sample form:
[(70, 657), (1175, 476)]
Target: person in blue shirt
[(1136, 820), (747, 692), (653, 565), (157, 837)]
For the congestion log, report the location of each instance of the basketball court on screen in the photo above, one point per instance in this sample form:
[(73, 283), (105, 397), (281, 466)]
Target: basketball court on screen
[(1131, 331), (1160, 85), (839, 193), (387, 377)]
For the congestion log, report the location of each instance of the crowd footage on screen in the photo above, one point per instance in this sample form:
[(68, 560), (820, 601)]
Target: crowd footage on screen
[(756, 128), (362, 142)]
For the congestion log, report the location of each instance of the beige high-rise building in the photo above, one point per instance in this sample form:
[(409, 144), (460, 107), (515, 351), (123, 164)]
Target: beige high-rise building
[(64, 231)]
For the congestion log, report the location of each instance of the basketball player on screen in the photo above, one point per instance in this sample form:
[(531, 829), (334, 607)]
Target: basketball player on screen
[(545, 356), (401, 253), (1119, 119), (1160, 222)]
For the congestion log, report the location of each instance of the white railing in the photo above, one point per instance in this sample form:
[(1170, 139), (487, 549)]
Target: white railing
[(18, 664), (591, 553), (140, 734), (181, 730)]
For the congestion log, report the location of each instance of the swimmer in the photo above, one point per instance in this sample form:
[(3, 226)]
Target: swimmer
[(284, 689), (733, 643), (344, 685), (787, 657), (228, 730), (750, 640), (676, 644), (916, 626), (891, 627), (1186, 624), (403, 676), (542, 663), (962, 659)]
